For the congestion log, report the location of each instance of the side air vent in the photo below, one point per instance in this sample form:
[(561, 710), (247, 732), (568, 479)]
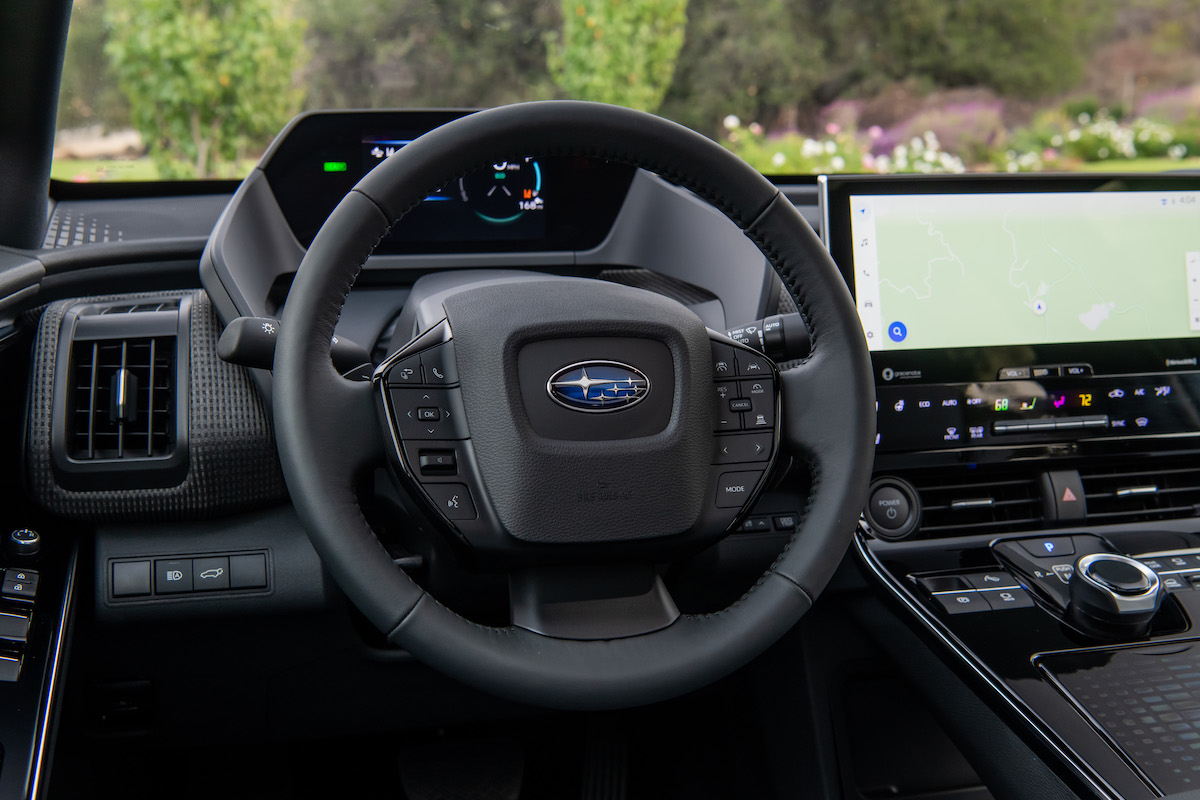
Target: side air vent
[(123, 399), (121, 388), (1122, 493), (952, 507)]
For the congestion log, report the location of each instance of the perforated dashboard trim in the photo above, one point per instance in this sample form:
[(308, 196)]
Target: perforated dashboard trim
[(232, 462)]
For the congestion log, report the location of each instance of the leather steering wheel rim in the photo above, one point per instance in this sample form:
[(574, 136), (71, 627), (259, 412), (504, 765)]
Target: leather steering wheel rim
[(328, 428)]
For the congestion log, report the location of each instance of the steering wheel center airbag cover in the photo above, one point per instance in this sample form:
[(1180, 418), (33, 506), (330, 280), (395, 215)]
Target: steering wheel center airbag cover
[(553, 474)]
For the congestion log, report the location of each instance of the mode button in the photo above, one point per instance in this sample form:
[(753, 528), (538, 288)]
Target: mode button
[(735, 488)]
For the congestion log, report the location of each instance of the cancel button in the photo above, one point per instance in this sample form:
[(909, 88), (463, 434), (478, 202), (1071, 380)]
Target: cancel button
[(735, 488)]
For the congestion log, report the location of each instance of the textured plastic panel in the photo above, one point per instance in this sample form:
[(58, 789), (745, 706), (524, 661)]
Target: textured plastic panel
[(232, 463)]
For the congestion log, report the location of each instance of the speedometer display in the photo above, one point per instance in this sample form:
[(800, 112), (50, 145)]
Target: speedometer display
[(504, 193)]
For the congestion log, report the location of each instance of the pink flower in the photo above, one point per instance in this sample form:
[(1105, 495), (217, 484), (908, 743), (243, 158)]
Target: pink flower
[(756, 129), (868, 161), (1049, 154), (875, 132), (833, 129)]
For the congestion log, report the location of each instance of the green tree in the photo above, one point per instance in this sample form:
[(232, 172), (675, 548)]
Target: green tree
[(618, 51), (205, 79), (756, 61)]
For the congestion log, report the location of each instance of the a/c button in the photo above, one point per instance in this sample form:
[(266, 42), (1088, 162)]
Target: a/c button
[(735, 488)]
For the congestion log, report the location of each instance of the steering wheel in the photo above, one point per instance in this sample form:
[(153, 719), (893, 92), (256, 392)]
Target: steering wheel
[(576, 483)]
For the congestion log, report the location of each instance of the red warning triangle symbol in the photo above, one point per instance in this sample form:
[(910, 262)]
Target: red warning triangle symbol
[(1069, 496)]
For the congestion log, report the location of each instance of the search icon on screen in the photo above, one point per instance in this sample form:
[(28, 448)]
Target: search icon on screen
[(897, 331)]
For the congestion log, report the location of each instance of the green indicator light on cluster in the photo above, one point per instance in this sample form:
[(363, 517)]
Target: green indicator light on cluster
[(500, 176), (335, 166)]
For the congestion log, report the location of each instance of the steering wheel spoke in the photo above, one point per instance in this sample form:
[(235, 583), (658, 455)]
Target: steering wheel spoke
[(592, 602)]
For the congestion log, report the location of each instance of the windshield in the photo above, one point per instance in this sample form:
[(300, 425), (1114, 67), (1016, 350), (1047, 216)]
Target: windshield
[(170, 89)]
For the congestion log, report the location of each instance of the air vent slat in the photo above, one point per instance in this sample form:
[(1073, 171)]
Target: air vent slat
[(1168, 489), (124, 402), (958, 504)]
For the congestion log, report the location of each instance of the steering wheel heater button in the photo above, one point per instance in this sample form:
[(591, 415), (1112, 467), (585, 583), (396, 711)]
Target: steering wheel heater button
[(453, 500), (734, 488)]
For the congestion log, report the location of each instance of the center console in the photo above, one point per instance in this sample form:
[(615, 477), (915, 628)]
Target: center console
[(1036, 343)]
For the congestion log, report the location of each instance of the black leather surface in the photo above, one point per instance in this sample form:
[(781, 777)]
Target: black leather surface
[(828, 408), (551, 490)]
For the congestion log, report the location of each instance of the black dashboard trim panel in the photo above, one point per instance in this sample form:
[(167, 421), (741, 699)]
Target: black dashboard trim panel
[(231, 454)]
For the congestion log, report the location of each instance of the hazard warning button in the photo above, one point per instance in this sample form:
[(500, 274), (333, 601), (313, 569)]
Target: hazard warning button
[(1062, 496)]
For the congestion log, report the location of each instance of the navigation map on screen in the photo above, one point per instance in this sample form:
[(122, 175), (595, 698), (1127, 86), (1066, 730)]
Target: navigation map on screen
[(977, 270)]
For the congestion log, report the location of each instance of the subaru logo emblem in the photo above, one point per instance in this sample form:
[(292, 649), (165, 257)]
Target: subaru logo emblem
[(598, 386)]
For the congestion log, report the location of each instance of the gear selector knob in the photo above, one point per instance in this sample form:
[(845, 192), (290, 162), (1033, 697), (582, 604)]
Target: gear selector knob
[(1113, 596)]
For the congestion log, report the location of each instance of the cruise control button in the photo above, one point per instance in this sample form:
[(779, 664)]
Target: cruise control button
[(723, 418), (438, 365), (762, 412), (724, 365), (742, 447), (740, 404), (735, 488), (452, 499), (406, 372), (752, 365)]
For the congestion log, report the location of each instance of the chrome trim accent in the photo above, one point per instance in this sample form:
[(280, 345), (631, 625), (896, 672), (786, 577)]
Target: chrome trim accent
[(1137, 491), (55, 657), (1010, 699), (965, 505), (1142, 601)]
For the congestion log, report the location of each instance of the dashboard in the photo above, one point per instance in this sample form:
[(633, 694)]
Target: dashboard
[(1035, 344)]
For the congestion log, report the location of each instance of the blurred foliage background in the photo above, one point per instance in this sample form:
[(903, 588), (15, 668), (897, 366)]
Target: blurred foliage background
[(794, 86)]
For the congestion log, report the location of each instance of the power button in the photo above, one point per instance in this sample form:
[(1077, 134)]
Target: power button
[(889, 508)]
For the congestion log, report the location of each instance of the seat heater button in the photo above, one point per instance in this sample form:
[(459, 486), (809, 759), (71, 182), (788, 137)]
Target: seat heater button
[(406, 372), (129, 578), (248, 571), (735, 488), (438, 365), (173, 576), (452, 499), (210, 573)]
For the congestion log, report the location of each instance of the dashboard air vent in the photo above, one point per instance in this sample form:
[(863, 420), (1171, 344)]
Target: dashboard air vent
[(170, 304), (123, 399), (957, 507), (1123, 493)]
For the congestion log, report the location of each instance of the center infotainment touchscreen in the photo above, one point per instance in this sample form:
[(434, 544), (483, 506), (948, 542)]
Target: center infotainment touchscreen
[(1011, 311), (972, 270)]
